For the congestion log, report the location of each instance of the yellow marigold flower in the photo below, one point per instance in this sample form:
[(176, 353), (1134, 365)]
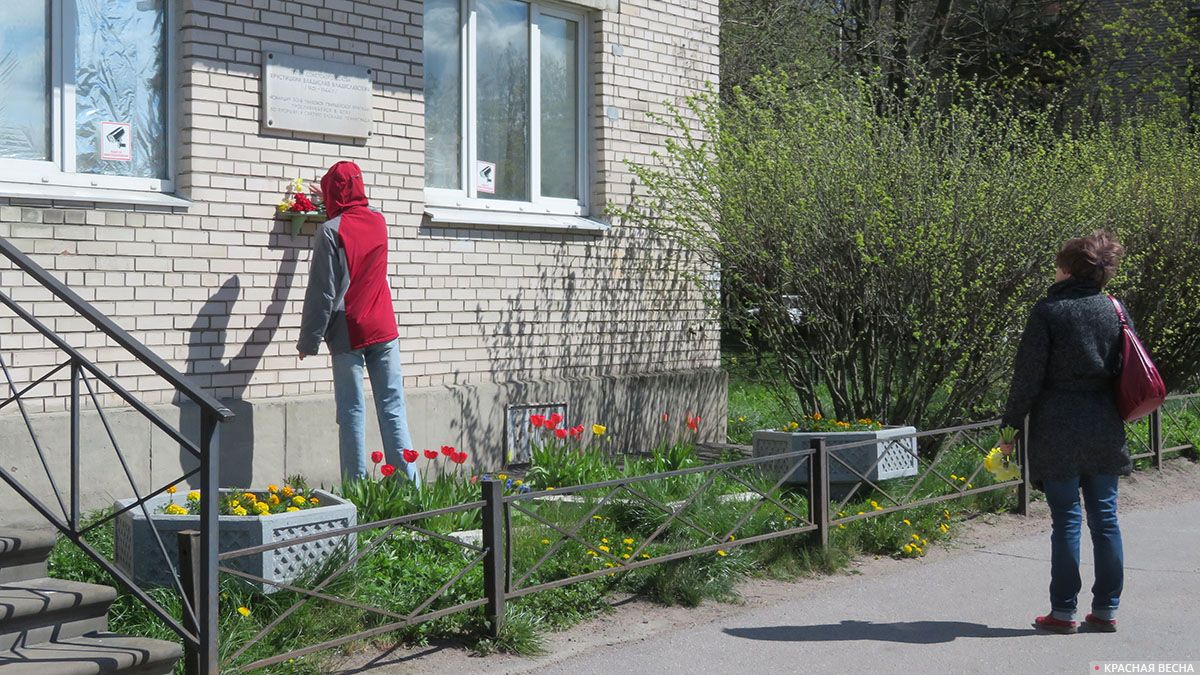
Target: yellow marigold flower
[(171, 490), (176, 510), (722, 553), (293, 508), (272, 499), (906, 522), (244, 611), (287, 491), (239, 511), (599, 429), (604, 548), (250, 496), (627, 540), (314, 501), (299, 500), (816, 416), (272, 488), (545, 541), (262, 508), (193, 496)]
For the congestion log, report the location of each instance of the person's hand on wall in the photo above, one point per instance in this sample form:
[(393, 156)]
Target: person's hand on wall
[(300, 353)]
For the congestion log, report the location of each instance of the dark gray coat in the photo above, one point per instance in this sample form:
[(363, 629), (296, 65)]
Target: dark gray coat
[(1063, 379)]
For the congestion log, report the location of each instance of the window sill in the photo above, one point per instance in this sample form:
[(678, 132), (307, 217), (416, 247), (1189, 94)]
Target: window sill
[(89, 195), (509, 220)]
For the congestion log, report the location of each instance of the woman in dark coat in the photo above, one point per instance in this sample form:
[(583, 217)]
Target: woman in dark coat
[(1066, 366)]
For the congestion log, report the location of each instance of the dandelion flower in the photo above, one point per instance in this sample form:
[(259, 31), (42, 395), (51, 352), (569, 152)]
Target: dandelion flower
[(545, 542), (603, 540), (722, 553), (625, 556), (908, 548), (907, 522), (916, 537), (841, 526), (593, 517), (646, 555), (604, 548), (592, 553), (244, 611), (627, 541)]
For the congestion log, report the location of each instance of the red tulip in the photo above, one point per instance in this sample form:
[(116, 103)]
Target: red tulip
[(387, 470), (693, 423), (458, 457), (555, 418), (377, 457), (560, 433), (474, 480), (537, 420), (410, 456), (431, 454), (665, 417), (448, 450)]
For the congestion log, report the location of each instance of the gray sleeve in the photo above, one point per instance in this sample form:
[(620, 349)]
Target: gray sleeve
[(1029, 371), (322, 292)]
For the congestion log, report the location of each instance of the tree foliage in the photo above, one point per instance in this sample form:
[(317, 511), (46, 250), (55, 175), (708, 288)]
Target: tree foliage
[(890, 259)]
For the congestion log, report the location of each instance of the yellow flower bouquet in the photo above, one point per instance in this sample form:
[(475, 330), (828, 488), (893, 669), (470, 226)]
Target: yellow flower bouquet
[(1003, 467)]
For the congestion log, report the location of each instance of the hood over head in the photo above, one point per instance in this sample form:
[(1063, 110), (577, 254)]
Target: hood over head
[(342, 187)]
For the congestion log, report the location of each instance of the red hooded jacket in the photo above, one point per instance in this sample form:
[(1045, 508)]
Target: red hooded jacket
[(349, 301)]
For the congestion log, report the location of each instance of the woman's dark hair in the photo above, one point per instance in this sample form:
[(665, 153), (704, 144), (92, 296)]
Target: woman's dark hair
[(1092, 258)]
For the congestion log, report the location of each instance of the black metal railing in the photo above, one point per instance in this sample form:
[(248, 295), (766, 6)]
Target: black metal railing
[(947, 464), (197, 625)]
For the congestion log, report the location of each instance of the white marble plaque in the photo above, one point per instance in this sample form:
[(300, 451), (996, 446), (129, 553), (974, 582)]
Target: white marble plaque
[(315, 96)]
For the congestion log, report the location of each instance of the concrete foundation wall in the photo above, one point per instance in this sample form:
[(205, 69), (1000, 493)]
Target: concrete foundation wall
[(274, 438)]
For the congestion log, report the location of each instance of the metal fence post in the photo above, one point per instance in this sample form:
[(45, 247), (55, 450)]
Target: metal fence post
[(819, 483), (494, 556), (189, 579), (208, 595), (1156, 438), (1024, 488)]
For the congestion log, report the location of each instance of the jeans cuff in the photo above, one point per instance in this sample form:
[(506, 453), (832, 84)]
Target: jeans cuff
[(1108, 614), (1063, 614)]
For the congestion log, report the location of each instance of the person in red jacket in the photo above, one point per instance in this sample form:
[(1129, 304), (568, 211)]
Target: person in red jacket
[(349, 305)]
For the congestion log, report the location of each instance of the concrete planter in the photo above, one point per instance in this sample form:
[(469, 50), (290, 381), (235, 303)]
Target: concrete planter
[(137, 551), (898, 453)]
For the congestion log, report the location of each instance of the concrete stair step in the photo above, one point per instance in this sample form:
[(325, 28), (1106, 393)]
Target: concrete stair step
[(40, 610), (23, 553), (92, 654)]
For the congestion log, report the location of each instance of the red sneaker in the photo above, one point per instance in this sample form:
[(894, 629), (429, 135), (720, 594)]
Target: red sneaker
[(1102, 625), (1055, 625)]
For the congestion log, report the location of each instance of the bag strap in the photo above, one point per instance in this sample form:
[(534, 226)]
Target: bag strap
[(1120, 312)]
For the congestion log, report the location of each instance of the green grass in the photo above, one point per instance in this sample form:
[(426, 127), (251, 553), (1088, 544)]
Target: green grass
[(407, 569)]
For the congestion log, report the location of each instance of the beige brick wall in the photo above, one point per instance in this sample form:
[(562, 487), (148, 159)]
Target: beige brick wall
[(216, 288)]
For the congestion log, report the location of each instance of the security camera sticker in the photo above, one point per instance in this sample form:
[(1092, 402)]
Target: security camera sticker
[(485, 177), (116, 141)]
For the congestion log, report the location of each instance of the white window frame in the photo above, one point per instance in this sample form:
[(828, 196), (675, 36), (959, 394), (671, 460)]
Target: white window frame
[(59, 171), (467, 197)]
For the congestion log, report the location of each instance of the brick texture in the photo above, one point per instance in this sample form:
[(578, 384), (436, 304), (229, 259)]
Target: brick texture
[(216, 288)]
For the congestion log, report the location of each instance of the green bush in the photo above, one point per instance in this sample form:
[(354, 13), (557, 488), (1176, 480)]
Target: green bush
[(887, 262)]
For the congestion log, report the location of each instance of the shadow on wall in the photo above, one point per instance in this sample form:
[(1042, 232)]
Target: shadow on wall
[(206, 362), (618, 330)]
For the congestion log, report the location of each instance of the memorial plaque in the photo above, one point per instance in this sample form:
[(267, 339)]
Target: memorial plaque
[(315, 96)]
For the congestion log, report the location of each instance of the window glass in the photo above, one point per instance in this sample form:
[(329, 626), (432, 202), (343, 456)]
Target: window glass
[(560, 112), (120, 88), (503, 97), (25, 80), (443, 94)]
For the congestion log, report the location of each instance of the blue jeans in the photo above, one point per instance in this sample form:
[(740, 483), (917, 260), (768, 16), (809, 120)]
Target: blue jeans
[(382, 363), (1100, 500)]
